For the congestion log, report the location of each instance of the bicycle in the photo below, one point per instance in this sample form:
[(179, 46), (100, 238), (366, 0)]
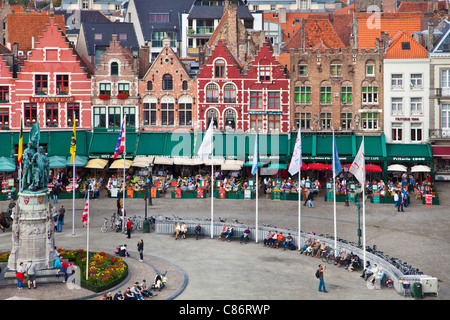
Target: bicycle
[(328, 255), (104, 227), (140, 224), (112, 224)]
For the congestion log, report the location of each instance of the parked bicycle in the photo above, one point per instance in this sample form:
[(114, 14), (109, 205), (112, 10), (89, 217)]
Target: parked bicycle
[(328, 255), (104, 227)]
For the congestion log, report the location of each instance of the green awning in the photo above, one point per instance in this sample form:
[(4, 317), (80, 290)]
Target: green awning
[(7, 164), (277, 166), (80, 161), (151, 144), (179, 144), (57, 162), (6, 141), (409, 152), (102, 145)]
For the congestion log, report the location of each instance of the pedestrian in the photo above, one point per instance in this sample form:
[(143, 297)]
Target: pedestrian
[(119, 206), (31, 273), (60, 219), (198, 229), (321, 281), (20, 274), (400, 201), (396, 200), (128, 228), (55, 192), (64, 267), (140, 247)]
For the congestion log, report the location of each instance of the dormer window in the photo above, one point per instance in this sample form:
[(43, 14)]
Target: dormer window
[(219, 69), (114, 69)]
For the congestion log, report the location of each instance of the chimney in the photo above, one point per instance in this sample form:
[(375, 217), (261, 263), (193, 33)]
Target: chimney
[(430, 36), (282, 15)]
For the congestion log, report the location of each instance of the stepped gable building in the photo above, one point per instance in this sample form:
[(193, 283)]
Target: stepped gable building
[(53, 86), (168, 92), (7, 87), (115, 89)]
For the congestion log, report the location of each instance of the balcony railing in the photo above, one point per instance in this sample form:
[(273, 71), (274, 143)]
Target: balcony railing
[(159, 43), (442, 92), (200, 31), (440, 134)]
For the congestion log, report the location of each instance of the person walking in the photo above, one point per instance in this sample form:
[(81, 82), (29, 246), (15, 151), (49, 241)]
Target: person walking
[(321, 281), (60, 218), (128, 228), (140, 247), (400, 202), (30, 269)]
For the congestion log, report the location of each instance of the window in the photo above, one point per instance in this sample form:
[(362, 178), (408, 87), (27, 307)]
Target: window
[(303, 94), (105, 88), (370, 70), (51, 114), (416, 132), (346, 95), (325, 94), (264, 73), (167, 82), (397, 132), (98, 36), (41, 84), (167, 114), (150, 114), (185, 114), (73, 113), (396, 81), (416, 81), (114, 69), (445, 117), (211, 115), (114, 117), (302, 70), (99, 117), (219, 69), (130, 119), (369, 121), (229, 93), (256, 120), (212, 93), (273, 122), (416, 105), (273, 100), (149, 86), (62, 84), (346, 120), (230, 119), (370, 95), (396, 105), (303, 120), (445, 78), (123, 36), (406, 45), (159, 17), (336, 70), (184, 85), (4, 94), (30, 112), (4, 119), (256, 100), (123, 87), (325, 120)]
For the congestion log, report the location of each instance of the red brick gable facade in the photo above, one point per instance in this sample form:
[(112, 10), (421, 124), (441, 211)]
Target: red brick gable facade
[(53, 85)]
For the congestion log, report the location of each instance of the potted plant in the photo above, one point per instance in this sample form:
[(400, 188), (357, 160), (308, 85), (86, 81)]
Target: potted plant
[(104, 96), (123, 95)]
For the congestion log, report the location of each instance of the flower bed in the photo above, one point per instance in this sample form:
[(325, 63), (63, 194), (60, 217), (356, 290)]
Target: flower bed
[(105, 271)]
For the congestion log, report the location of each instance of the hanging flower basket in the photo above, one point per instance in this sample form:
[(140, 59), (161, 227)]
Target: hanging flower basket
[(123, 95), (104, 96)]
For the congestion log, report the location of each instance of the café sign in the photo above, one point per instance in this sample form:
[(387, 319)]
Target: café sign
[(51, 99)]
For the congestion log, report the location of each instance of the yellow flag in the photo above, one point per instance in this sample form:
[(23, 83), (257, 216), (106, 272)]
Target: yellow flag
[(19, 158), (73, 143)]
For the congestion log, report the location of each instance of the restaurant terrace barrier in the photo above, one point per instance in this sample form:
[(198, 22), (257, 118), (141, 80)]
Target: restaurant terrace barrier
[(166, 226)]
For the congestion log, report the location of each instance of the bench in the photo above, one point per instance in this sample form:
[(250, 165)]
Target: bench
[(191, 232)]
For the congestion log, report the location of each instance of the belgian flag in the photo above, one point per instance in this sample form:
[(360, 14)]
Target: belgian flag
[(73, 143)]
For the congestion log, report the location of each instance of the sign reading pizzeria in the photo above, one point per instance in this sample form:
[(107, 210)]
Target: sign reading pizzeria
[(51, 99)]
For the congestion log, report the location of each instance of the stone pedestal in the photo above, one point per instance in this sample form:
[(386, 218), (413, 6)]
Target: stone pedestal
[(33, 231)]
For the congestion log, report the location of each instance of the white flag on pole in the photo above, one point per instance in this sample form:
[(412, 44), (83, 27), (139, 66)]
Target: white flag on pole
[(358, 167), (296, 161), (206, 147)]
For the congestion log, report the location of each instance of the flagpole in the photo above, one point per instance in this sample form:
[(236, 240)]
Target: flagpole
[(299, 191), (87, 245), (257, 199), (212, 179), (334, 194), (124, 184), (364, 209), (73, 199)]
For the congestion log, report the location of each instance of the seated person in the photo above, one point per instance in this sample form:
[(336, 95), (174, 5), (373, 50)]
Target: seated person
[(366, 269), (308, 251), (246, 235), (267, 238), (223, 233), (128, 295), (322, 247), (279, 240), (119, 296), (379, 276), (342, 256), (371, 272), (306, 245), (229, 233), (287, 241), (123, 251), (183, 231), (273, 239), (144, 289), (137, 292), (315, 248)]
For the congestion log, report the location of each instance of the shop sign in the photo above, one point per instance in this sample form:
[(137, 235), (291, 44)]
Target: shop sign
[(52, 99), (428, 199)]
